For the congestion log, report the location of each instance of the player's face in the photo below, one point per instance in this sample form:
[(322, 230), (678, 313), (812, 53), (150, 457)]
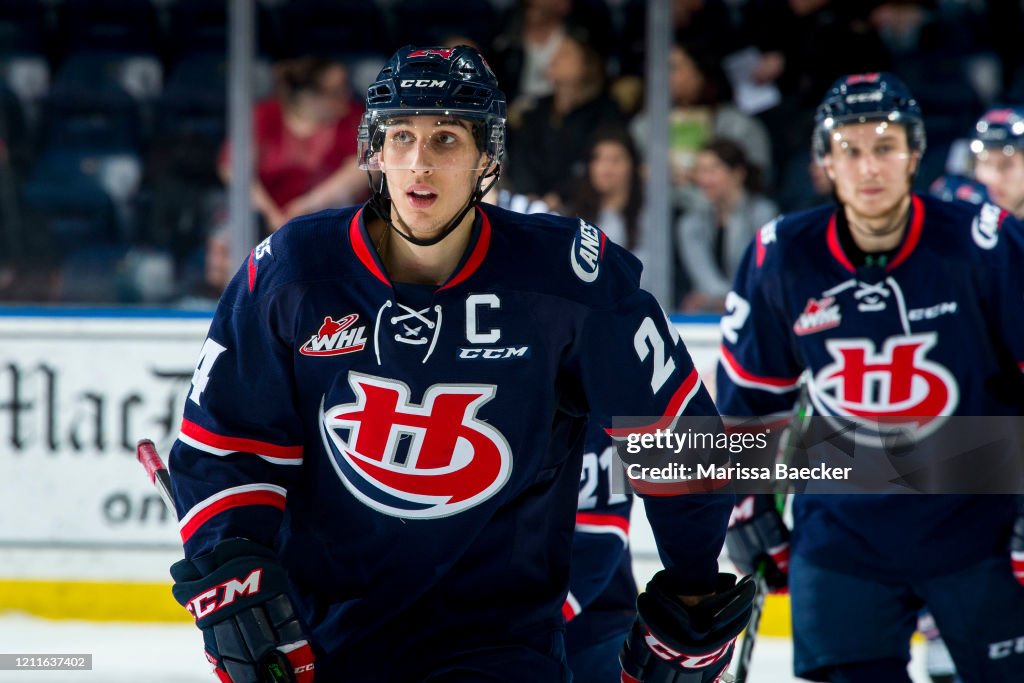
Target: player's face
[(432, 165), (871, 166), (1002, 174)]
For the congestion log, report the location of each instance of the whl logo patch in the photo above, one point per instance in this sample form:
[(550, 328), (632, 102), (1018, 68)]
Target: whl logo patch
[(819, 314), (336, 337), (422, 461)]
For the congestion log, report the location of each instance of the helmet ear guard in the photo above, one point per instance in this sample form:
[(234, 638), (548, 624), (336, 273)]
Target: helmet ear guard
[(861, 98)]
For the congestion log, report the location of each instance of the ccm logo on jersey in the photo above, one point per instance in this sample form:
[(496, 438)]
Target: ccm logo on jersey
[(586, 251), (1006, 648), (209, 601), (985, 228), (819, 314), (336, 337), (494, 353)]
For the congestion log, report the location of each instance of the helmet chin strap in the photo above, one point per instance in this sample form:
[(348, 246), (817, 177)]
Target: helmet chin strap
[(381, 204)]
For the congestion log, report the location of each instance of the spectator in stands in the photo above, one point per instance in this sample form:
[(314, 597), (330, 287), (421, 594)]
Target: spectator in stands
[(610, 194), (547, 151), (705, 25), (531, 33), (524, 49), (700, 96), (305, 149), (713, 235)]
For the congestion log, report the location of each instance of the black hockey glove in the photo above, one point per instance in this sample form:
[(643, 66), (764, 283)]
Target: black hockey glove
[(237, 594), (757, 534), (673, 643), (1017, 543)]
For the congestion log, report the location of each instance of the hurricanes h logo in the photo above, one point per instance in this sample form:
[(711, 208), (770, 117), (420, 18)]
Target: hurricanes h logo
[(898, 386), (424, 461)]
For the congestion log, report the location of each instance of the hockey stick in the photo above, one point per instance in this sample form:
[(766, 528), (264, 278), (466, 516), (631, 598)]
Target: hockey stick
[(787, 445), (276, 668), (146, 453)]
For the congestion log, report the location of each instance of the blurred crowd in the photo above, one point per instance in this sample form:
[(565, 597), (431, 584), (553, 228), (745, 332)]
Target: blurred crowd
[(114, 166)]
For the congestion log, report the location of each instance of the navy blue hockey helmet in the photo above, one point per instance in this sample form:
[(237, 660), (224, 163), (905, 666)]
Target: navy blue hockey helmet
[(1000, 128), (952, 187), (453, 83), (860, 98)]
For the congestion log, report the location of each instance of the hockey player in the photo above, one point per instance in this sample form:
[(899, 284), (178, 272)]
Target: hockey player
[(602, 592), (998, 148), (892, 304), (380, 452)]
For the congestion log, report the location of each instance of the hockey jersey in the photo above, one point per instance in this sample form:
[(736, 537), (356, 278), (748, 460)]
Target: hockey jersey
[(937, 332), (602, 591), (413, 452)]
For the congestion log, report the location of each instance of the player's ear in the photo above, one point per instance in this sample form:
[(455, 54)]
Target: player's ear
[(826, 163), (488, 164), (915, 159)]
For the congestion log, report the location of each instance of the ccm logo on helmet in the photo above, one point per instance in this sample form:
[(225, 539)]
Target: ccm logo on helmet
[(208, 602), (585, 253), (423, 83)]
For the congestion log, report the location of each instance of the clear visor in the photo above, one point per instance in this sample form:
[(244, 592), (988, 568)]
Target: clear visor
[(877, 140), (427, 140), (982, 149)]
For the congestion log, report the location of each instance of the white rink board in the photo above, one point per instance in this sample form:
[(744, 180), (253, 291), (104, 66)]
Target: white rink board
[(75, 396), (76, 393)]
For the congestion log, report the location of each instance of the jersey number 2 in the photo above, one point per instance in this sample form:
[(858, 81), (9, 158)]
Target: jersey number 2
[(648, 339)]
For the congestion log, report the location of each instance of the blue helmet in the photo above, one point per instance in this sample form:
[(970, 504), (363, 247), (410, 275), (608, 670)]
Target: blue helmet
[(860, 98), (455, 82), (952, 187), (1001, 127)]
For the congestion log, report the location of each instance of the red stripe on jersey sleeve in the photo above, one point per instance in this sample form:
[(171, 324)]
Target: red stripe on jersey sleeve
[(596, 519), (202, 515), (676, 488), (676, 405), (747, 378), (230, 443)]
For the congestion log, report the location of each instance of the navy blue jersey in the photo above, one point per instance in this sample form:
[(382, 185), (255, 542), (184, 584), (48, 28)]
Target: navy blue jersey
[(413, 452), (602, 592), (935, 333)]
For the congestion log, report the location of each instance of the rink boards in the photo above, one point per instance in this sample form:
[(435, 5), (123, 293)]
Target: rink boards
[(82, 532)]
